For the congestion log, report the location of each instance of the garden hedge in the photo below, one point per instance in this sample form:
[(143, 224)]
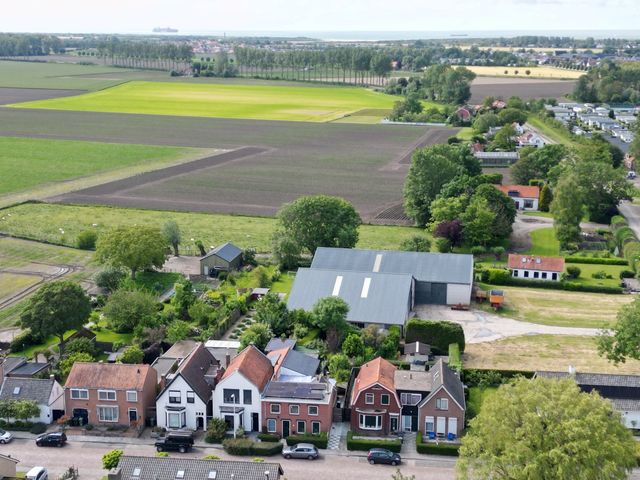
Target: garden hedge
[(268, 437), (365, 444), (596, 261), (624, 235), (245, 446), (436, 448), (438, 334), (503, 277), (320, 440), (618, 221)]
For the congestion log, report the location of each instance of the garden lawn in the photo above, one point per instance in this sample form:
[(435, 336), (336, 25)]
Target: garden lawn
[(30, 162), (157, 282), (562, 308), (263, 102), (544, 243), (477, 396), (586, 271), (42, 222), (544, 352)]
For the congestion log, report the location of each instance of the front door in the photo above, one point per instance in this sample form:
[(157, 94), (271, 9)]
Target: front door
[(255, 426), (200, 423), (407, 420), (133, 415), (286, 428), (82, 414), (414, 423), (394, 424), (441, 428)]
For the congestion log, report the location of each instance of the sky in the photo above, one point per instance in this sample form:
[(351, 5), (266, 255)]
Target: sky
[(218, 16)]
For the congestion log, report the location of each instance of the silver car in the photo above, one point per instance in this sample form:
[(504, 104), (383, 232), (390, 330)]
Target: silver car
[(301, 450), (5, 437)]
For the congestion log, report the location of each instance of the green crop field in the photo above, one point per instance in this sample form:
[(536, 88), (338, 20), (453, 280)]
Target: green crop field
[(46, 222), (26, 163), (313, 104)]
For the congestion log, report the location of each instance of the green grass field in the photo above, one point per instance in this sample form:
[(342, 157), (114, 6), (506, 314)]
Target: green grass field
[(11, 283), (544, 243), (312, 104), (26, 163), (42, 222)]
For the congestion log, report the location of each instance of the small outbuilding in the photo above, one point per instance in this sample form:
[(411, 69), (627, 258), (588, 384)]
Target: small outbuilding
[(224, 258)]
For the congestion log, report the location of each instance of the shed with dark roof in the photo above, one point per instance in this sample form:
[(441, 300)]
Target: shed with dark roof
[(224, 258)]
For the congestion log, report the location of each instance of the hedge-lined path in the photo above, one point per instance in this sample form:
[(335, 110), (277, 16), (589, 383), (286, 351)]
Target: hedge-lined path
[(480, 326)]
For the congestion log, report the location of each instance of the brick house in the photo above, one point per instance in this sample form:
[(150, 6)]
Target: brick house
[(110, 393), (442, 411), (375, 407)]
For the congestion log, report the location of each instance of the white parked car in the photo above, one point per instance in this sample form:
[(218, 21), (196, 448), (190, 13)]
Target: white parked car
[(631, 174), (37, 473), (5, 437)]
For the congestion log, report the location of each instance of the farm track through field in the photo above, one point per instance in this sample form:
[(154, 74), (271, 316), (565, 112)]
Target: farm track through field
[(61, 271)]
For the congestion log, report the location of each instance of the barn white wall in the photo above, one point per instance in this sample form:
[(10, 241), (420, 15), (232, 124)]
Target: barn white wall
[(458, 294)]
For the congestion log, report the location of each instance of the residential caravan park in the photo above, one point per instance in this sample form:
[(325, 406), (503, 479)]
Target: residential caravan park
[(271, 257)]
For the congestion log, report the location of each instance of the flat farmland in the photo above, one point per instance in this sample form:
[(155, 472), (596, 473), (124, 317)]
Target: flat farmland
[(361, 163), (535, 72), (260, 102), (525, 88)]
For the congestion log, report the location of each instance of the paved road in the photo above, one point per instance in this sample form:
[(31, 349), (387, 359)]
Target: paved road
[(632, 213), (87, 458)]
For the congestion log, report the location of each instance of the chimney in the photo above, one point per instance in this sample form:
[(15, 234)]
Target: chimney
[(163, 381), (114, 474), (572, 370), (52, 377), (266, 475), (227, 360)]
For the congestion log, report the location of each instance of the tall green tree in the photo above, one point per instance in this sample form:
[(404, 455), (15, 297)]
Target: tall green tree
[(330, 316), (126, 309), (546, 429), (505, 138), (172, 235), (184, 297), (622, 341), (477, 221), (258, 335), (135, 248), (567, 210), (535, 163), (546, 197), (273, 312), (416, 243), (56, 308), (502, 206)]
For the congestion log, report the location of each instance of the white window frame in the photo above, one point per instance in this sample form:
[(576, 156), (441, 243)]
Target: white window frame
[(103, 395), (313, 414), (274, 409), (131, 393), (313, 425), (76, 394), (271, 421), (362, 421), (368, 396), (304, 426), (442, 404), (191, 397), (291, 408), (410, 399), (180, 419), (172, 393), (131, 409), (382, 395), (427, 421), (112, 407)]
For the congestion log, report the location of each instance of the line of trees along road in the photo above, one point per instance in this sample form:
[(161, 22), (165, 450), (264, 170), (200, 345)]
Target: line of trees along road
[(21, 45), (152, 55)]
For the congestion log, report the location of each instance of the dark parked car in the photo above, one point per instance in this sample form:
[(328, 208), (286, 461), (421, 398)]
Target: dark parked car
[(301, 450), (382, 455), (175, 442), (56, 439)]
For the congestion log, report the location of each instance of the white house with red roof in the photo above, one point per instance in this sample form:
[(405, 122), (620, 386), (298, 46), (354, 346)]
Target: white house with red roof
[(533, 267), (530, 139), (526, 197)]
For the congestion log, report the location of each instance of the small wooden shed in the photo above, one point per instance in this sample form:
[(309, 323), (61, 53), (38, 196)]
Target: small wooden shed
[(224, 258)]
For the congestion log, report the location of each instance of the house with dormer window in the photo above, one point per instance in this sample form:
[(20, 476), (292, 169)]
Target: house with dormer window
[(534, 267)]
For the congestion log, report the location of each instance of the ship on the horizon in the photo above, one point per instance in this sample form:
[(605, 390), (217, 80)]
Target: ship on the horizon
[(165, 30)]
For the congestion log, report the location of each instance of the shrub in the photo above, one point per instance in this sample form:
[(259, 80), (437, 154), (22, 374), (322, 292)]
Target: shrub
[(268, 437), (216, 431), (436, 448), (477, 250), (38, 428), (443, 245), (573, 272), (162, 454), (319, 440), (87, 240), (211, 457), (626, 274), (455, 361), (624, 235), (245, 446), (596, 261), (366, 444), (111, 459), (507, 279), (24, 339), (599, 275), (438, 334), (498, 276), (618, 221)]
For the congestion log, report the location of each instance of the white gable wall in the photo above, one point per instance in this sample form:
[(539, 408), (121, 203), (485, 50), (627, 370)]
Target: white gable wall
[(239, 382), (192, 410)]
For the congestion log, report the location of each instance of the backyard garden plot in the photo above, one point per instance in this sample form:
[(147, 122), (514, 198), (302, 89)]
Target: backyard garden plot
[(311, 104)]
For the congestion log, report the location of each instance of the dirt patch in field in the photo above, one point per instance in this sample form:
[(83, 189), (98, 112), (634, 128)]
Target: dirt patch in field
[(18, 95), (526, 89)]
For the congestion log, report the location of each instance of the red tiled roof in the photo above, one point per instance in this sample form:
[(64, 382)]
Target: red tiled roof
[(530, 262), (113, 376), (253, 365), (524, 191), (378, 371)]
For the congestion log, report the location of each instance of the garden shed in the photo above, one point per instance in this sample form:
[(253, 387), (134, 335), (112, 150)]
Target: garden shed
[(224, 258)]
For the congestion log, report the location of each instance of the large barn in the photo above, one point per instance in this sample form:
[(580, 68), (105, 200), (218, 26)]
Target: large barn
[(380, 286)]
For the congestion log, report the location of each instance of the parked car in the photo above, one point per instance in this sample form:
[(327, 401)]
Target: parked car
[(301, 450), (56, 439), (37, 473), (5, 437), (175, 442), (631, 174), (382, 455)]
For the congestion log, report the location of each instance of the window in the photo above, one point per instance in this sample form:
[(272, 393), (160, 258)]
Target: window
[(369, 398), (175, 396), (294, 409), (313, 410), (231, 395), (302, 426), (526, 274), (109, 395), (246, 397), (442, 404), (544, 275), (410, 398), (429, 424), (384, 399), (536, 274), (554, 276), (176, 419), (528, 204), (275, 408), (108, 414), (370, 422), (79, 394), (271, 425), (191, 397), (315, 427), (132, 396)]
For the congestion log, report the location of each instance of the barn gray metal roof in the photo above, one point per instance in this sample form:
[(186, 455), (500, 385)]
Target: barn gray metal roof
[(227, 251), (424, 267), (372, 297), (596, 379), (167, 468)]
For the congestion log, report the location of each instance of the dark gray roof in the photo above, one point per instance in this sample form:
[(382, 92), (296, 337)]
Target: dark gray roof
[(424, 267), (301, 363), (626, 404), (10, 363), (28, 369), (163, 366), (413, 381), (386, 301), (35, 389), (193, 369), (442, 375), (166, 468), (227, 251), (417, 348), (279, 343), (596, 379), (319, 391)]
